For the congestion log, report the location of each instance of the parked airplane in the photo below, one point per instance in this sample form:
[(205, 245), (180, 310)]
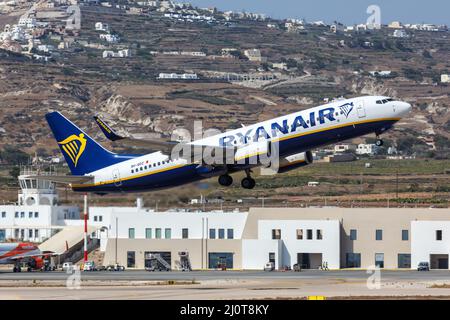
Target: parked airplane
[(95, 169), (23, 253)]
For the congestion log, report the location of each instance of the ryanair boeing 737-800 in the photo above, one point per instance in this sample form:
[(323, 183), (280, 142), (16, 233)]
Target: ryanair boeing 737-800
[(281, 144)]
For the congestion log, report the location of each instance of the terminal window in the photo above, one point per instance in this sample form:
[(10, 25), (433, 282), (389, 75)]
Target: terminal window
[(131, 233), (379, 260), (168, 233), (404, 260), (230, 233), (319, 234), (272, 257), (3, 214), (220, 260), (439, 235), (353, 260), (185, 233), (309, 234), (148, 233), (212, 233), (379, 234), (221, 233), (158, 233), (405, 235), (353, 234), (36, 233), (36, 214), (276, 234), (299, 234), (30, 214), (131, 259)]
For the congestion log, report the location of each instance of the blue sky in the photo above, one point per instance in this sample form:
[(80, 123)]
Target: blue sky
[(345, 11)]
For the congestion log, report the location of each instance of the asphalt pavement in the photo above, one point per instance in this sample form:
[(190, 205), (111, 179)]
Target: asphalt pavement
[(141, 275)]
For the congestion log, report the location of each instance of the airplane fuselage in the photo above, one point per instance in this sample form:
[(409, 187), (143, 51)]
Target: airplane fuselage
[(294, 133)]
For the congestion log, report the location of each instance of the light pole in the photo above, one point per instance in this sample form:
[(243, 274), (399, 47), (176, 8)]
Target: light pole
[(85, 227), (117, 229)]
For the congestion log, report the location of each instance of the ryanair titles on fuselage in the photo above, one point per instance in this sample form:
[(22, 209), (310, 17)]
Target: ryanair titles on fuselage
[(279, 127)]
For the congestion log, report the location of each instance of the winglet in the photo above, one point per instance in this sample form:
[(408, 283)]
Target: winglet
[(107, 130)]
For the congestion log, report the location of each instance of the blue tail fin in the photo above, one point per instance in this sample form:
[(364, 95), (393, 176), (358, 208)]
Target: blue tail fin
[(82, 153)]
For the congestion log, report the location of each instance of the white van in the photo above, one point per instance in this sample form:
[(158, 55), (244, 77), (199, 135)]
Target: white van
[(67, 266)]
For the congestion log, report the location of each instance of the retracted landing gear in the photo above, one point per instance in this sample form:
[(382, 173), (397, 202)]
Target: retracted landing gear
[(248, 182), (225, 180)]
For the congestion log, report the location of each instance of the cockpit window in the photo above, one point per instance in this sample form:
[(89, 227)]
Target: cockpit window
[(384, 101)]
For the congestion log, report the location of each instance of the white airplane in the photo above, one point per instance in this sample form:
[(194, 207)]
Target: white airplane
[(285, 141)]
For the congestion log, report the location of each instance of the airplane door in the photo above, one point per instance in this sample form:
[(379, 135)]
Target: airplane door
[(360, 109), (116, 178)]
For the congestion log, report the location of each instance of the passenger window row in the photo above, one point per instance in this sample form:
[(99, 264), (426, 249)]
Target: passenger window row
[(151, 165)]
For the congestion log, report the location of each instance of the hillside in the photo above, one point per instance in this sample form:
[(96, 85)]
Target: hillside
[(78, 81)]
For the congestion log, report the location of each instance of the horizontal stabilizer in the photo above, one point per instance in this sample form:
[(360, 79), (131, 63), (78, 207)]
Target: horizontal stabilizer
[(62, 179)]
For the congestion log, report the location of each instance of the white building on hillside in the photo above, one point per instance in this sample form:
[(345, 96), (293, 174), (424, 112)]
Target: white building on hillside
[(366, 149), (100, 26)]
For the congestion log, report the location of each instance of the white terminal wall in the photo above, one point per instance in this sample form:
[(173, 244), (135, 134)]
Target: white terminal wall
[(424, 243), (140, 219), (255, 253), (328, 246)]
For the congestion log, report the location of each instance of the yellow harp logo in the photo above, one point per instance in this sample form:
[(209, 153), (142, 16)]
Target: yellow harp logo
[(74, 147)]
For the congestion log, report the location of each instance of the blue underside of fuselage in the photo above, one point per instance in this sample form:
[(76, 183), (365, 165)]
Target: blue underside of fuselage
[(189, 173)]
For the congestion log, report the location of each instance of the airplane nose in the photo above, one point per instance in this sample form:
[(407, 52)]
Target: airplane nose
[(404, 108)]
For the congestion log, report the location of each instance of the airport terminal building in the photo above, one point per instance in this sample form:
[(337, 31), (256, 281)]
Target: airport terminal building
[(392, 238)]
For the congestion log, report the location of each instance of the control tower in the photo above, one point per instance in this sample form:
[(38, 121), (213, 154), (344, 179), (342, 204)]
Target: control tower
[(36, 192)]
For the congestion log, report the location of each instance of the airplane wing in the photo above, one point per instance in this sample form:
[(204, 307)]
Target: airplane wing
[(62, 179), (110, 134), (45, 254), (164, 145)]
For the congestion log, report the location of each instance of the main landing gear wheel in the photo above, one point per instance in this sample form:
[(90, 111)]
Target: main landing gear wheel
[(248, 183), (379, 143), (17, 269), (225, 180)]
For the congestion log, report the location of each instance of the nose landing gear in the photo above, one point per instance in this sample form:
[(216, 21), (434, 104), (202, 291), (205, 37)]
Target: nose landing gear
[(379, 142)]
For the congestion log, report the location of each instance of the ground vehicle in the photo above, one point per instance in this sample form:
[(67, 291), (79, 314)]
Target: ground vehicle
[(423, 266), (67, 266), (270, 266), (115, 267), (89, 266), (101, 268), (297, 268)]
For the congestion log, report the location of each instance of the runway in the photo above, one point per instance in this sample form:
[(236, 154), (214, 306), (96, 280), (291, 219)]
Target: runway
[(219, 285), (140, 275)]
